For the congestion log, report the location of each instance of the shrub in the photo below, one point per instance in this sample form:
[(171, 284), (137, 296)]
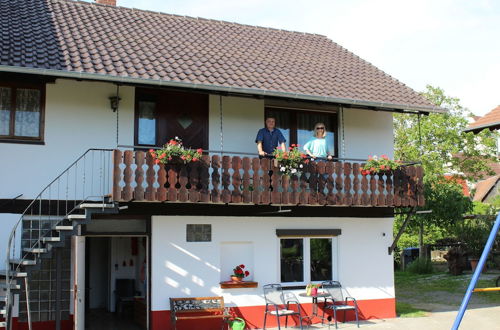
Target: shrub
[(420, 266)]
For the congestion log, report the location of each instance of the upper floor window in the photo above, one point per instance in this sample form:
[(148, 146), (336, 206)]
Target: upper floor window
[(21, 112), (297, 125)]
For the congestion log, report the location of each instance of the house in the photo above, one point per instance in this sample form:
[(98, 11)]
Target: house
[(96, 232), (488, 188)]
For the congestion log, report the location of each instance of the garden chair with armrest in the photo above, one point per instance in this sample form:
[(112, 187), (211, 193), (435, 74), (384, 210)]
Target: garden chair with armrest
[(278, 304), (339, 302)]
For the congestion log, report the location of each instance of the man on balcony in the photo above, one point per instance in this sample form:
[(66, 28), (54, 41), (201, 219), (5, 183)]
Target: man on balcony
[(269, 137)]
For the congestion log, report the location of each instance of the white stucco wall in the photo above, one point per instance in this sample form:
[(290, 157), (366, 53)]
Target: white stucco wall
[(242, 118), (181, 268), (367, 132), (77, 117)]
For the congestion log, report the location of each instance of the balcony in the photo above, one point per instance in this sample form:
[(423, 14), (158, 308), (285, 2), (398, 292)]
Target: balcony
[(253, 181)]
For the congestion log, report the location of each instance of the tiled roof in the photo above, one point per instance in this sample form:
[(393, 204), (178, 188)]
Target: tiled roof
[(490, 120), (65, 36), (484, 187)]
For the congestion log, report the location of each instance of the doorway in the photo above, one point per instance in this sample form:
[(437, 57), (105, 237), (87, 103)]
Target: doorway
[(116, 282)]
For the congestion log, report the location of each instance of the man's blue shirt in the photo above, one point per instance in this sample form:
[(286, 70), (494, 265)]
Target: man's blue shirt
[(270, 139)]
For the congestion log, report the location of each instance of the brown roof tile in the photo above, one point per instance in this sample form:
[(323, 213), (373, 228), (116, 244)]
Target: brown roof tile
[(490, 120), (484, 187), (74, 36)]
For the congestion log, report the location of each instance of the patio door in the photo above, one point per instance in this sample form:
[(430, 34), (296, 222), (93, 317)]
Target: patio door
[(162, 115)]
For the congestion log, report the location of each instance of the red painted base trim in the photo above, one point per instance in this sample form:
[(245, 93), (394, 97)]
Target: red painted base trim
[(47, 325), (254, 316)]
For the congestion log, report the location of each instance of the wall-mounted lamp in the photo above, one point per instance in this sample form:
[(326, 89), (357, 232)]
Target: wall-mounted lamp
[(113, 102)]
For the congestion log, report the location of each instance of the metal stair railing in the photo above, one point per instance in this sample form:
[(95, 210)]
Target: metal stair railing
[(87, 179)]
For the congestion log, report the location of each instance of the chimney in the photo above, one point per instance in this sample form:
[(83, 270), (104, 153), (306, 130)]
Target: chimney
[(106, 2)]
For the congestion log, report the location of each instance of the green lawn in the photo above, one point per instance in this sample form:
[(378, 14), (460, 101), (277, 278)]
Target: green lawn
[(416, 294)]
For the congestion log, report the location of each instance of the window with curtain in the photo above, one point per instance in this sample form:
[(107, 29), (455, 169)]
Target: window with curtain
[(297, 125), (21, 113), (146, 127)]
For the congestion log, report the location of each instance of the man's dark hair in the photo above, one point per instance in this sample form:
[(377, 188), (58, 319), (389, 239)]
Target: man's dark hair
[(268, 117)]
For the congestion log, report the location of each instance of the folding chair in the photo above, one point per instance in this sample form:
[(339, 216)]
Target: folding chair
[(277, 304)]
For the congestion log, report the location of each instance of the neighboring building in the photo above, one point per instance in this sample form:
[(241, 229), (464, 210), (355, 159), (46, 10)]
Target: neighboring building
[(78, 75), (488, 188)]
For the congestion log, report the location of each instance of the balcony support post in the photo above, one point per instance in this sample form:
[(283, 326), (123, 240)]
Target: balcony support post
[(402, 229)]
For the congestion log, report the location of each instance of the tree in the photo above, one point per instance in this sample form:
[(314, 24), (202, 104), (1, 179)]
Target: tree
[(439, 142)]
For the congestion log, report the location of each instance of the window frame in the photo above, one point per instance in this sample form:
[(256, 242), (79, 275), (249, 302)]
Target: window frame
[(12, 138), (293, 113), (307, 260)]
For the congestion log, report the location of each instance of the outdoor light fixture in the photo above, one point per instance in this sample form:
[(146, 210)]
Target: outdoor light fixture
[(113, 102)]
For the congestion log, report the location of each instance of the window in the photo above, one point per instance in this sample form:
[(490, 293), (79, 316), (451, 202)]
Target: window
[(307, 259), (21, 112), (297, 126), (146, 125)]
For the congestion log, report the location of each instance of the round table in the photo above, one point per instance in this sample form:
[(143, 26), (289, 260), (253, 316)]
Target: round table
[(315, 303)]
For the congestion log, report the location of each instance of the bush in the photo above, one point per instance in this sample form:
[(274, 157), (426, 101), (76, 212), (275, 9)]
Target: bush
[(420, 266)]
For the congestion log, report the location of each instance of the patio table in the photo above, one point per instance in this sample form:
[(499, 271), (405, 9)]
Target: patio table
[(315, 304)]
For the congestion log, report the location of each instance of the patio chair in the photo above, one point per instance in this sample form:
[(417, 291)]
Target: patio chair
[(334, 289), (278, 304)]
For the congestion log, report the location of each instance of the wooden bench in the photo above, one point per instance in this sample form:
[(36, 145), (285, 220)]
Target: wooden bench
[(185, 308)]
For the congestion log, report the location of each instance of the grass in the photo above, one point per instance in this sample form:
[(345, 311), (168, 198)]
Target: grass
[(407, 310), (440, 288)]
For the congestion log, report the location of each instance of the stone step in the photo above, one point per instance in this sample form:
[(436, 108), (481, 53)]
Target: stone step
[(64, 227), (3, 273), (51, 239), (96, 206), (12, 286), (26, 262), (35, 250), (74, 217)]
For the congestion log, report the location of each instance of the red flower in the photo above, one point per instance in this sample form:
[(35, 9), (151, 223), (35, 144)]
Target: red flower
[(384, 157), (373, 169), (183, 157), (169, 158), (151, 151), (157, 161), (291, 148), (199, 151), (382, 167), (370, 157), (242, 266), (306, 161), (303, 156), (195, 159), (172, 142), (293, 145), (163, 155), (238, 271), (247, 273)]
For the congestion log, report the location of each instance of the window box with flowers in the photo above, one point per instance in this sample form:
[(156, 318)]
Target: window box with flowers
[(291, 161), (174, 152), (380, 165), (239, 273)]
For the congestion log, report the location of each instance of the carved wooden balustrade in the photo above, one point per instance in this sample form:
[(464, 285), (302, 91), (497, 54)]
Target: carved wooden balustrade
[(237, 180)]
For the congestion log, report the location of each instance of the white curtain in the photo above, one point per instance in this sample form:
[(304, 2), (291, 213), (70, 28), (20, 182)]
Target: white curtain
[(27, 120), (5, 109)]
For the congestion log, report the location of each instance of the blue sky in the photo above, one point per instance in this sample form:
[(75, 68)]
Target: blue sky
[(453, 44)]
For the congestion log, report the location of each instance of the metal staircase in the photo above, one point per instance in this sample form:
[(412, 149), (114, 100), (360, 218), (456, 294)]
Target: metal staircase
[(69, 201)]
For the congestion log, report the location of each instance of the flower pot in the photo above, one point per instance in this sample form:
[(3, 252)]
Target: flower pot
[(236, 279), (473, 264)]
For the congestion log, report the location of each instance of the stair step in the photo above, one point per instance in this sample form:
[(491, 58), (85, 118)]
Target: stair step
[(96, 206), (77, 217), (64, 228), (12, 273), (26, 262), (35, 250), (51, 239), (12, 286)]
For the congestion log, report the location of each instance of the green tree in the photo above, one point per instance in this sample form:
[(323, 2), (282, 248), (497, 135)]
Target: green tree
[(439, 142)]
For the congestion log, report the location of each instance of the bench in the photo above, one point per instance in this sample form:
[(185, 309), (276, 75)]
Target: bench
[(185, 308)]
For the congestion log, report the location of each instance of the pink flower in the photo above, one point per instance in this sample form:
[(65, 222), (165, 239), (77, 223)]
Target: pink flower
[(370, 157), (183, 157), (382, 167), (384, 157), (199, 151), (157, 161), (195, 159)]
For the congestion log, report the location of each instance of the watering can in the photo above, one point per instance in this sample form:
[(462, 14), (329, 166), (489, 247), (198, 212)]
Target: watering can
[(237, 324)]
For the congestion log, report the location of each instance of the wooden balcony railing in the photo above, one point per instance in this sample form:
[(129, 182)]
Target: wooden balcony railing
[(237, 180)]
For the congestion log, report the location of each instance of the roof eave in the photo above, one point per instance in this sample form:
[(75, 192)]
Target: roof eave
[(217, 88), (477, 129)]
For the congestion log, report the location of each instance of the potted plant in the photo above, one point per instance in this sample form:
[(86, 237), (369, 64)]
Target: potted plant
[(291, 161), (381, 164), (174, 152), (474, 233), (239, 273)]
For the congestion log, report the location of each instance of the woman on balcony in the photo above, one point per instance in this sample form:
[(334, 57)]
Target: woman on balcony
[(318, 147)]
